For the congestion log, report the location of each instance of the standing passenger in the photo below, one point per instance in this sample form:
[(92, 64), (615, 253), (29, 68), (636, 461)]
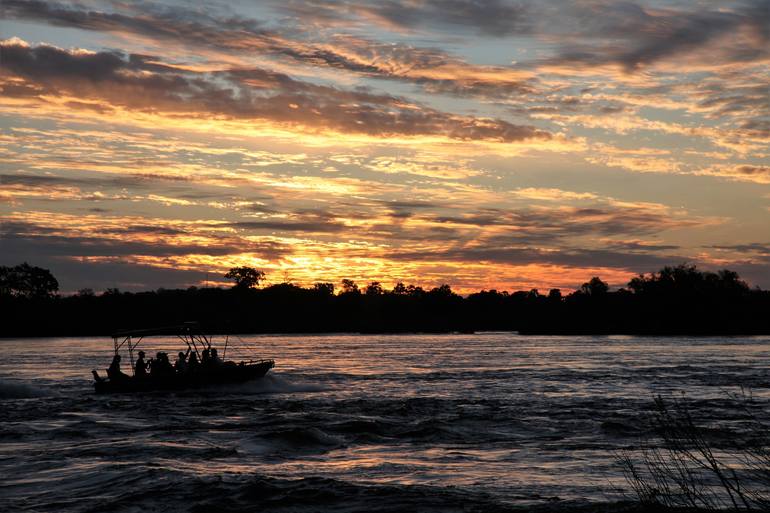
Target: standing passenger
[(181, 362), (140, 367)]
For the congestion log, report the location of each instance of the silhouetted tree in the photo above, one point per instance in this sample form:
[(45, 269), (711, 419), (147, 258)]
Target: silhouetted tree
[(414, 291), (687, 280), (729, 280), (373, 289), (442, 290), (326, 289), (400, 289), (245, 277), (349, 287), (674, 300), (27, 281), (595, 287)]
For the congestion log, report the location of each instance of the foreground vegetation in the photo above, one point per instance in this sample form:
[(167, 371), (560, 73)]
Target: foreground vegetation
[(675, 300), (687, 467)]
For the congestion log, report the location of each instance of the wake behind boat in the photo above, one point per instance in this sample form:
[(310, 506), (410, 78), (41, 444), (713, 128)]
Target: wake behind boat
[(197, 367)]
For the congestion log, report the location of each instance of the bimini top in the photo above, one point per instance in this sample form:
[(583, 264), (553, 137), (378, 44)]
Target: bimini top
[(186, 328)]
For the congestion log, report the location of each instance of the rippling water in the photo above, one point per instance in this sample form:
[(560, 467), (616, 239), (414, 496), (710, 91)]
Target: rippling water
[(482, 422)]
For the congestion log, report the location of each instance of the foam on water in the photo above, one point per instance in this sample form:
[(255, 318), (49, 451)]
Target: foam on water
[(20, 390), (272, 384)]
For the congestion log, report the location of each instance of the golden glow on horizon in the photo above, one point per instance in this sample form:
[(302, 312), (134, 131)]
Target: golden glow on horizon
[(325, 149)]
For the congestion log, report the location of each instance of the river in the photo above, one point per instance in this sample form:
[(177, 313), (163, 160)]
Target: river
[(481, 422)]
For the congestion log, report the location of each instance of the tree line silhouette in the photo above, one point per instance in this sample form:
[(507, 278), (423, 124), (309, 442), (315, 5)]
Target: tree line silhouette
[(675, 300)]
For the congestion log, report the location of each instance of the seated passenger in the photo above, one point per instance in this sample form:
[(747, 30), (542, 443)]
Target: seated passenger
[(160, 365), (215, 360), (114, 372), (140, 367), (205, 357), (193, 364)]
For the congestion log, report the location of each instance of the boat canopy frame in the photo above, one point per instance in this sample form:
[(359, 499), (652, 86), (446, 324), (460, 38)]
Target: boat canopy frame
[(189, 333)]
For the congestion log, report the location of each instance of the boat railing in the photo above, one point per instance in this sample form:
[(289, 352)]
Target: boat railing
[(256, 362)]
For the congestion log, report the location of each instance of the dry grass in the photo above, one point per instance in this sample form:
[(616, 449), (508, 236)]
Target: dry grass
[(683, 469)]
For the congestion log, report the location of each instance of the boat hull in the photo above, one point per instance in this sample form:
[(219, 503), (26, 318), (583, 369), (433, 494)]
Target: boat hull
[(228, 373)]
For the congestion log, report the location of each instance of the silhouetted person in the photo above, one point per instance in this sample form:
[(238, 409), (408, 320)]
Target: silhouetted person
[(181, 361), (215, 360), (193, 363), (160, 365), (140, 367), (114, 372), (206, 357)]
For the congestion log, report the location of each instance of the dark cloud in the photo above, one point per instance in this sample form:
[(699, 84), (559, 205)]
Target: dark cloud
[(189, 26), (40, 244), (19, 240), (102, 75), (411, 204), (38, 181), (193, 25), (634, 35), (405, 235), (342, 51), (541, 227), (112, 78), (75, 274), (753, 247), (573, 257), (147, 229), (752, 170), (82, 260), (320, 226), (363, 111), (586, 32), (642, 246), (758, 128), (532, 105), (738, 97), (570, 221), (578, 34), (488, 18)]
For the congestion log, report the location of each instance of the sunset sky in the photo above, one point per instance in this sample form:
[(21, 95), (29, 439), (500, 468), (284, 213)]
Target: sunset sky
[(498, 144)]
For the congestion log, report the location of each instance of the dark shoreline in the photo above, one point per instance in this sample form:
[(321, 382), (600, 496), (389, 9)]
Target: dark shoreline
[(397, 333), (676, 301)]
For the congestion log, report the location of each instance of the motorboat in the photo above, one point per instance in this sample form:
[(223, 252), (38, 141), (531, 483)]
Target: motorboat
[(162, 376)]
